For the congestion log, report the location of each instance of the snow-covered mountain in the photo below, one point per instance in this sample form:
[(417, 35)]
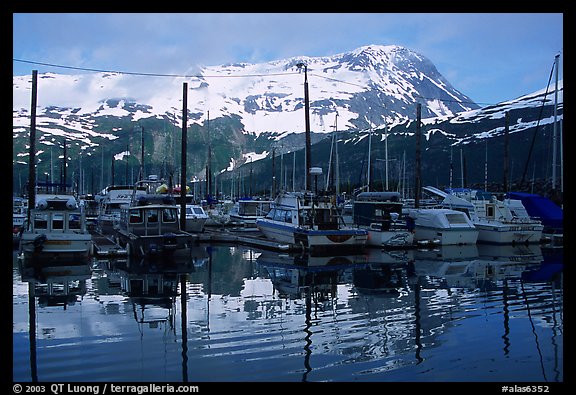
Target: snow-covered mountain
[(244, 112), (368, 85)]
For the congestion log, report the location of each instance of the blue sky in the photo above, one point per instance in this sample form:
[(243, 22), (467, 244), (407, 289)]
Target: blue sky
[(489, 57)]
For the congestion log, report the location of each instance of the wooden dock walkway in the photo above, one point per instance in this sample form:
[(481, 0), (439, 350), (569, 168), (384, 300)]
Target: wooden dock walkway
[(104, 246), (245, 237)]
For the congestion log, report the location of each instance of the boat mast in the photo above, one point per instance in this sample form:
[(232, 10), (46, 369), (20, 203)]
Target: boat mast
[(554, 135), (486, 167), (294, 171), (451, 167), (386, 150), (334, 154), (336, 157), (369, 159)]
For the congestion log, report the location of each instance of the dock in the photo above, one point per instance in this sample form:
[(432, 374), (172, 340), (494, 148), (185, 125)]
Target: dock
[(104, 246), (247, 237)]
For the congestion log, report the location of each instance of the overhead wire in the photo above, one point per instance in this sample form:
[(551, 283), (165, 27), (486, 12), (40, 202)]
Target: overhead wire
[(221, 76)]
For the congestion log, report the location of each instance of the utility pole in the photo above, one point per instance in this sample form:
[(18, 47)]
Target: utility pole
[(307, 120), (183, 157)]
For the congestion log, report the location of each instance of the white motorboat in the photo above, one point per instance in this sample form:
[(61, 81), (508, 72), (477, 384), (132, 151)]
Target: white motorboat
[(57, 228), (498, 221), (442, 226), (196, 217)]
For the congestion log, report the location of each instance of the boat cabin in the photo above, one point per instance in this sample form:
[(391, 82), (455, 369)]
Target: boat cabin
[(151, 215), (57, 214), (383, 208)]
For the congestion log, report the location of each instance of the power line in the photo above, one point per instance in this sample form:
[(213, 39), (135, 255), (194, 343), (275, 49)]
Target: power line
[(148, 74), (222, 76)]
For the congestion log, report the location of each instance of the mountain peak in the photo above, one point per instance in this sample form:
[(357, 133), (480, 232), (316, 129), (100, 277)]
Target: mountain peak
[(368, 86)]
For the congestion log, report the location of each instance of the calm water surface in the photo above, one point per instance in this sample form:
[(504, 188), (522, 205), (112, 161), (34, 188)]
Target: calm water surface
[(234, 313)]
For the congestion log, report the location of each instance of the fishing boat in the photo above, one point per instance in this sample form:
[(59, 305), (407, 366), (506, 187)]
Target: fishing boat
[(150, 225), (442, 226), (57, 229), (380, 213), (312, 222)]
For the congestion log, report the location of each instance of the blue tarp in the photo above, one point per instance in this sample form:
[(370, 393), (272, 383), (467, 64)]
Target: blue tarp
[(551, 215)]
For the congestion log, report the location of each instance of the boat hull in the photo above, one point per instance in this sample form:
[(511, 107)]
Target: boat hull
[(170, 243), (63, 244), (446, 236), (315, 241), (195, 225), (498, 233), (390, 239)]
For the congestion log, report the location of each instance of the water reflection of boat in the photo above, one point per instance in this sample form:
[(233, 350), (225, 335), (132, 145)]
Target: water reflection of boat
[(152, 287), (445, 266), (380, 278), (56, 284), (297, 275), (480, 265), (550, 269)]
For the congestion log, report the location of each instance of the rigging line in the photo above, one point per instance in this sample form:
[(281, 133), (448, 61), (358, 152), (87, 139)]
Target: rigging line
[(537, 126), (148, 74)]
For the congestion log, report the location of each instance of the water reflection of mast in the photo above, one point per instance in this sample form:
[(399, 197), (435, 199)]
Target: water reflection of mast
[(506, 334), (184, 319), (533, 329), (307, 347), (209, 289), (556, 370), (417, 324), (32, 334)]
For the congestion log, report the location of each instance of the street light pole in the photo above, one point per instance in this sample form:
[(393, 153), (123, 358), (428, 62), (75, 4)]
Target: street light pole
[(307, 119)]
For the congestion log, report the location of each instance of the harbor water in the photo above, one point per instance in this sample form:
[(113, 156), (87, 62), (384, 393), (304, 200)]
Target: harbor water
[(231, 313)]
